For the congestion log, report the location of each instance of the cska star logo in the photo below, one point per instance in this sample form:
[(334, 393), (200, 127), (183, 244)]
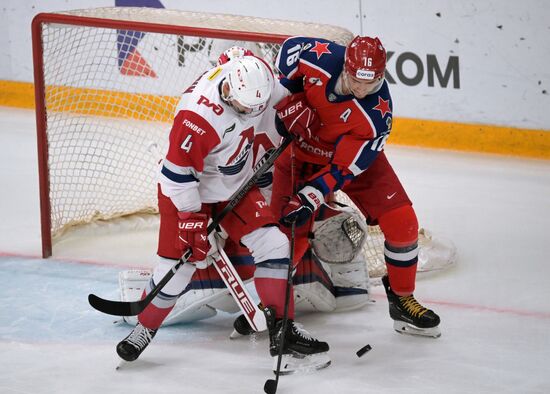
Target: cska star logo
[(383, 106), (320, 49)]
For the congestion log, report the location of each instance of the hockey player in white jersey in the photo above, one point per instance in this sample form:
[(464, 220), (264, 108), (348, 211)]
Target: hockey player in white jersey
[(327, 279), (218, 123)]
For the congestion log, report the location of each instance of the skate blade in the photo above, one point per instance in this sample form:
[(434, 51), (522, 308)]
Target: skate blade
[(408, 329), (122, 364), (291, 364), (252, 336), (236, 335)]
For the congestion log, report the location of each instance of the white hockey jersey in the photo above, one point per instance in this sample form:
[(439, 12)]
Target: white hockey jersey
[(212, 149)]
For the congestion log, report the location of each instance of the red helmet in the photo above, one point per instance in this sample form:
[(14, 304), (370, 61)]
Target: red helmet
[(235, 52), (365, 58)]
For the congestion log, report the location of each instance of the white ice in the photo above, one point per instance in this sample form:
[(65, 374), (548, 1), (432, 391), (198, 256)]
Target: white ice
[(494, 304)]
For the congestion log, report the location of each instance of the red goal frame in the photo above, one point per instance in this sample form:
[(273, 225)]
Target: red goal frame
[(39, 84)]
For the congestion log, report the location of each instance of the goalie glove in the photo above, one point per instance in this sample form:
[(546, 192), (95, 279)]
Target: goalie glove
[(300, 208)]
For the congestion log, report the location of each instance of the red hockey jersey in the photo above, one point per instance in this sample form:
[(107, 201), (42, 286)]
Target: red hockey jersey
[(354, 130)]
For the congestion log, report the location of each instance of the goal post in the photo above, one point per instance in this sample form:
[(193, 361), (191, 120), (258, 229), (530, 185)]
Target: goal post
[(107, 81)]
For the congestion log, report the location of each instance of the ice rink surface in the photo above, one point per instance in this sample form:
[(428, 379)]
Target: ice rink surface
[(494, 304)]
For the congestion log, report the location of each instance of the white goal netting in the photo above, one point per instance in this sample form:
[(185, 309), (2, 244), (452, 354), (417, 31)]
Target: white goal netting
[(111, 78)]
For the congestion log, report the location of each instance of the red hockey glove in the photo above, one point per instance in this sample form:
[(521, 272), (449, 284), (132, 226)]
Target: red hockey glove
[(193, 235), (300, 208), (295, 116)]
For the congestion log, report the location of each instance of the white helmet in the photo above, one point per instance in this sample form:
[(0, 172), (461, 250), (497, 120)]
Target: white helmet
[(250, 84)]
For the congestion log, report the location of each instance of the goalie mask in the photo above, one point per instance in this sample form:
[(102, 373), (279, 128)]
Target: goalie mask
[(248, 86)]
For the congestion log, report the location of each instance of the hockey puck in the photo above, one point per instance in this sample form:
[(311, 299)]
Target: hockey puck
[(363, 350)]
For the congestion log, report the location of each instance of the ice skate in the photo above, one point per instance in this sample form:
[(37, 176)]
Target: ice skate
[(131, 347), (301, 352), (409, 316)]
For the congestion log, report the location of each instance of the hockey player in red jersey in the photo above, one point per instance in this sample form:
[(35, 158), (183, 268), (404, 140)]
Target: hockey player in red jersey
[(218, 120), (318, 284), (341, 113)]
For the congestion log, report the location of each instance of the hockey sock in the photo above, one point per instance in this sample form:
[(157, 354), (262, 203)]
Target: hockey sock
[(270, 281), (400, 228), (155, 313)]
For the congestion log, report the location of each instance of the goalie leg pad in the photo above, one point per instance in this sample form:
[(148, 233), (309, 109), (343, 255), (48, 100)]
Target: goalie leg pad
[(351, 281), (313, 287), (339, 236), (200, 300), (323, 287)]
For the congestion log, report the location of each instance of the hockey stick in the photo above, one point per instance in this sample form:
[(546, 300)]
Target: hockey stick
[(270, 386), (132, 308), (234, 283)]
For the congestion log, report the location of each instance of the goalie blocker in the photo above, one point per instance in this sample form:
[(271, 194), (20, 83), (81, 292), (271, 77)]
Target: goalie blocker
[(332, 276)]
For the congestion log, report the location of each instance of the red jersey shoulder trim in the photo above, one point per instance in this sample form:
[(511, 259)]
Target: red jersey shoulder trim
[(191, 139)]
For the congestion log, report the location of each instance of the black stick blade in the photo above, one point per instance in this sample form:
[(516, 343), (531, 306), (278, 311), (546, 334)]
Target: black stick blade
[(270, 386), (117, 308)]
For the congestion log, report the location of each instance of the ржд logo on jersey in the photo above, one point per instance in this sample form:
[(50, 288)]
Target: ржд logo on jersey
[(218, 110)]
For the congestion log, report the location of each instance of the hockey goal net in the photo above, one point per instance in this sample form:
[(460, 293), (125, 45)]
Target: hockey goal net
[(107, 82)]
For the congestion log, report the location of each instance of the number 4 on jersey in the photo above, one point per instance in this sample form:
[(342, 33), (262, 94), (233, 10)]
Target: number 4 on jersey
[(186, 144)]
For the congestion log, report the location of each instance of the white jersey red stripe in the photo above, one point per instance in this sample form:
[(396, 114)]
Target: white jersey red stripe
[(211, 147)]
